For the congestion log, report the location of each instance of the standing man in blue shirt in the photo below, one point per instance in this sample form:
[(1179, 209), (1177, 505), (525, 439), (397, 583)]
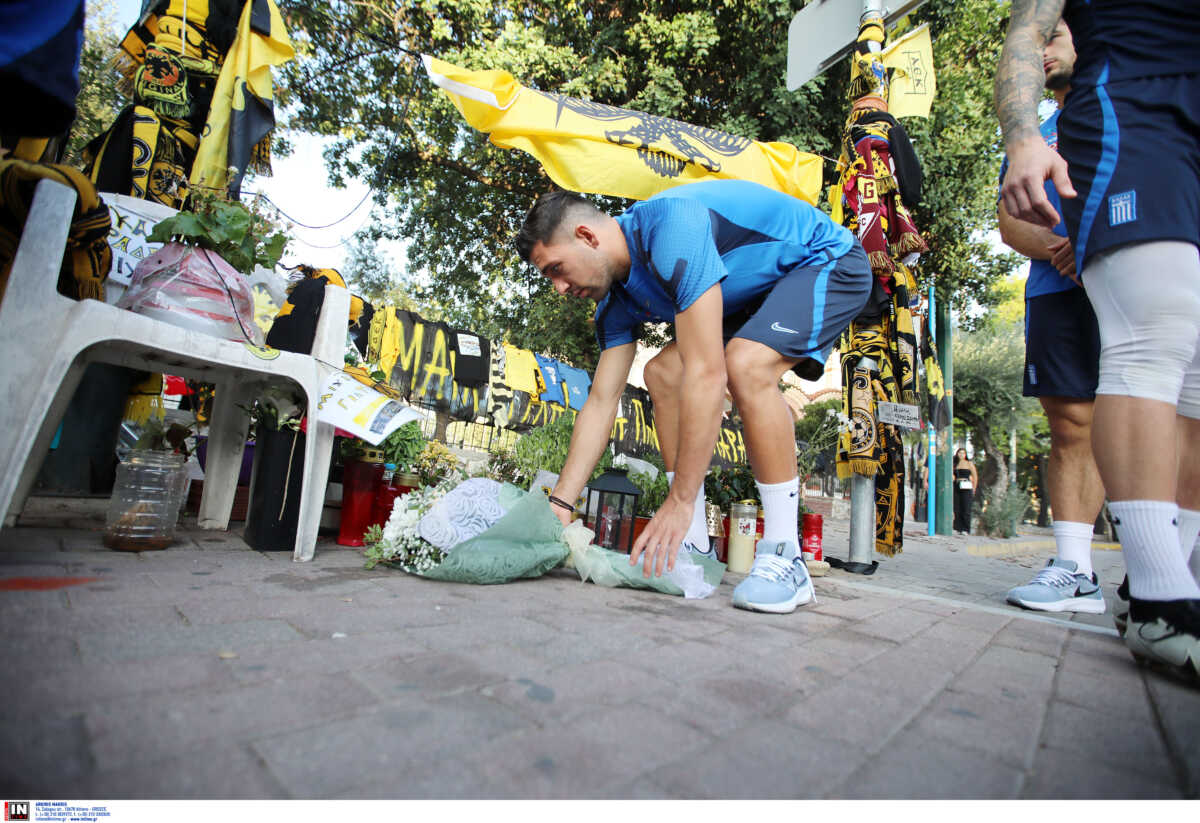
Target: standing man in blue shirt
[(756, 283), (1129, 176), (1062, 366)]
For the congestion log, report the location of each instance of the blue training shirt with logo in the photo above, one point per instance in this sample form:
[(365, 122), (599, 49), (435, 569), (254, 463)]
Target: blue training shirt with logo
[(1043, 277), (685, 240)]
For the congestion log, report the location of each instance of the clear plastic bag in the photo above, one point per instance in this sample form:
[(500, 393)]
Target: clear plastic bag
[(194, 289)]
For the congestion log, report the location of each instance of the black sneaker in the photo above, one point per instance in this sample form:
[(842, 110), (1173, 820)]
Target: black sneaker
[(1167, 633), (1121, 607)]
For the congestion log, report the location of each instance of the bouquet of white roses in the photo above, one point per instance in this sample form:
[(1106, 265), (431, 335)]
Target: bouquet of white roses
[(399, 542)]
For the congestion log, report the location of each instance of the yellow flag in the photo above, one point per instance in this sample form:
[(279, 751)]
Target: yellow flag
[(243, 110), (600, 149), (913, 83)]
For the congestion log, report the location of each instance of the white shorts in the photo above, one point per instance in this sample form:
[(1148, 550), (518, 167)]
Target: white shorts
[(1147, 302)]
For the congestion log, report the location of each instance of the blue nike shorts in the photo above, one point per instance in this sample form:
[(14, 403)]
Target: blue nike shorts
[(1062, 346), (1133, 151), (806, 310)]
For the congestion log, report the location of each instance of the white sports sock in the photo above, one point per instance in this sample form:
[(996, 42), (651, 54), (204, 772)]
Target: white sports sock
[(1073, 541), (697, 533), (1189, 530), (781, 504), (1150, 541)]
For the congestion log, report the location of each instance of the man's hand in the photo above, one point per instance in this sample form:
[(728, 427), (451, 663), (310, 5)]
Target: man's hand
[(658, 545), (1062, 257), (1030, 163)]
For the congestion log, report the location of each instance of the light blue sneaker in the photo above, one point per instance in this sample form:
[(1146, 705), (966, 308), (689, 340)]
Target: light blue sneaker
[(1057, 588), (778, 581)]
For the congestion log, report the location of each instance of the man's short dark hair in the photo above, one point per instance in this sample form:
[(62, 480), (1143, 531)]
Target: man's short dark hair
[(547, 215)]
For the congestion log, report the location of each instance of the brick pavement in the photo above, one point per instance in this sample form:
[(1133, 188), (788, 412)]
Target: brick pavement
[(212, 671)]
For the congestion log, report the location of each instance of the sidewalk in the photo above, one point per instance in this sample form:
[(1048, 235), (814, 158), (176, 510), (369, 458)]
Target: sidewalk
[(212, 671)]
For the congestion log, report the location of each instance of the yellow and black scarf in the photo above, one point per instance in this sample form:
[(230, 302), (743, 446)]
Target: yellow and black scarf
[(88, 257), (143, 155)]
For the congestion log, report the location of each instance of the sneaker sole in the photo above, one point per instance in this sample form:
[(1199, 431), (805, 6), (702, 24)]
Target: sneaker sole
[(1086, 605), (786, 607), (1188, 669), (1121, 619)]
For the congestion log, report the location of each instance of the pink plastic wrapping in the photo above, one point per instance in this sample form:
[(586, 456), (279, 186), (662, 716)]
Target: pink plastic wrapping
[(195, 289)]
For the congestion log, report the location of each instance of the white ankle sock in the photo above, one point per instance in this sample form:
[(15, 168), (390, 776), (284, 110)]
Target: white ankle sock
[(1150, 541), (697, 533), (781, 503), (1074, 542)]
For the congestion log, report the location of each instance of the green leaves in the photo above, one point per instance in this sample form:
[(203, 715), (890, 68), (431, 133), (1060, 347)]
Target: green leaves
[(228, 228)]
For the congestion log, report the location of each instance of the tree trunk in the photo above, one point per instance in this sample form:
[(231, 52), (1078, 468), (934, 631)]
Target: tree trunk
[(1043, 493)]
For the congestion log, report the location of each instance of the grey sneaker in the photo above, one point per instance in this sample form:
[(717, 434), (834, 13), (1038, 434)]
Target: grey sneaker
[(1166, 633), (778, 581), (1057, 588)]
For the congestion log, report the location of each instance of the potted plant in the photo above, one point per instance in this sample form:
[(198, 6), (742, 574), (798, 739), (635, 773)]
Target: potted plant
[(654, 492)]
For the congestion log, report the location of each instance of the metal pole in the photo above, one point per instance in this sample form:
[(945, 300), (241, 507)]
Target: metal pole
[(945, 504), (930, 456), (862, 504)]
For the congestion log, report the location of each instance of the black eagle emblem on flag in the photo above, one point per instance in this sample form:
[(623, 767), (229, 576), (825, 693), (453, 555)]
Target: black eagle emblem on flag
[(690, 144)]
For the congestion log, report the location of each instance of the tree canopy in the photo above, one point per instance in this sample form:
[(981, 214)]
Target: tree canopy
[(716, 64)]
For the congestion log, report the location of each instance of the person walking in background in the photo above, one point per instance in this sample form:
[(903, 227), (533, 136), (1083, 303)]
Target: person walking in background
[(1062, 366), (1129, 178), (966, 478)]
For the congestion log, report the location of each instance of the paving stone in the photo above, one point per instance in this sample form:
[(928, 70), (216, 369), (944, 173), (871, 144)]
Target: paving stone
[(436, 673), (1029, 636), (561, 693), (765, 761), (1009, 672), (859, 648), (1104, 695), (67, 686), (1111, 738), (864, 717), (1178, 708), (220, 769), (994, 724), (325, 655), (45, 753), (136, 732), (897, 624), (1069, 775), (680, 662), (28, 541), (381, 740), (837, 603), (912, 766), (600, 749), (166, 641)]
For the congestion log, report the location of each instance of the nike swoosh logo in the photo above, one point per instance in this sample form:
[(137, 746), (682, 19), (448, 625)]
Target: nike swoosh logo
[(777, 327)]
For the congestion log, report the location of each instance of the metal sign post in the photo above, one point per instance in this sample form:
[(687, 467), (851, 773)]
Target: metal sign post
[(823, 32)]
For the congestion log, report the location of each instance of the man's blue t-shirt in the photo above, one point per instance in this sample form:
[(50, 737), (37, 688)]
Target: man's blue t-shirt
[(1043, 277), (685, 240), (552, 379)]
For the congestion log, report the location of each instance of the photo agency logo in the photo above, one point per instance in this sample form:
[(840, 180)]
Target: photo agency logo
[(16, 809)]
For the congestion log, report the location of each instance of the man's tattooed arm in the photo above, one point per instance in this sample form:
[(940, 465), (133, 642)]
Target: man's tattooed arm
[(1019, 77)]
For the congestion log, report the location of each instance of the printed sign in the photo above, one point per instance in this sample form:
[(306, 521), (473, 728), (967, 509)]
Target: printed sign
[(898, 414), (360, 410), (132, 220)]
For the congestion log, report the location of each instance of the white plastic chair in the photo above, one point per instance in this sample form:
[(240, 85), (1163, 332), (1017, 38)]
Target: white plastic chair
[(46, 340)]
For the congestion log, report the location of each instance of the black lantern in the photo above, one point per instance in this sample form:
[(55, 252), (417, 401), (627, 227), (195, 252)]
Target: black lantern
[(612, 504)]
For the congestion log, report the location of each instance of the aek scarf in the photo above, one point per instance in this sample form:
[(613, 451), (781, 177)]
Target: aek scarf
[(88, 257)]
